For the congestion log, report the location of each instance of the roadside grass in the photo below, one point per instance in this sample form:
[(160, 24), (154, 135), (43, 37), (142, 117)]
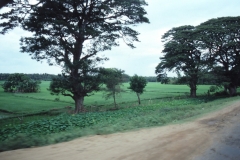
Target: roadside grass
[(66, 127), (211, 106)]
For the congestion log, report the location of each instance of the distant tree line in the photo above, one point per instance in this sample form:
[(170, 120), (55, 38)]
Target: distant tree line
[(49, 77), (151, 78), (205, 79), (126, 78), (34, 76)]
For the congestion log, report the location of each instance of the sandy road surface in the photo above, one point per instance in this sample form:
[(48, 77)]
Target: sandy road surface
[(192, 140)]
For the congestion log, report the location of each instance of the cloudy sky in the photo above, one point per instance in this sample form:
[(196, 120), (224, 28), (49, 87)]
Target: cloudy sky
[(163, 15)]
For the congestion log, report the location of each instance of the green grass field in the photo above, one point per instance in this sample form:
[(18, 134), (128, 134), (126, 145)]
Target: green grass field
[(36, 119), (43, 101)]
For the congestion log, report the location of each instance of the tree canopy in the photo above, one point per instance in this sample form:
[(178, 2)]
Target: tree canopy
[(221, 38), (70, 33), (181, 54), (211, 48), (137, 85)]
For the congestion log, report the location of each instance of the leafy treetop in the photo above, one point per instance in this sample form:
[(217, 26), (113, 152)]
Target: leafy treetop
[(137, 85)]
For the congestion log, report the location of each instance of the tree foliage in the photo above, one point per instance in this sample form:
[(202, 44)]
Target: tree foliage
[(89, 80), (221, 37), (34, 76), (211, 49), (70, 33), (162, 77), (137, 85), (19, 82), (182, 54)]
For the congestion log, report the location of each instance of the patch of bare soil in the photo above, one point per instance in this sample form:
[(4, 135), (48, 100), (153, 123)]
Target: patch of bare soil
[(179, 141)]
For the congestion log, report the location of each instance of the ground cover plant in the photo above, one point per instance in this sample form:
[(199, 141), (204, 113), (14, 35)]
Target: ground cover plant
[(65, 127)]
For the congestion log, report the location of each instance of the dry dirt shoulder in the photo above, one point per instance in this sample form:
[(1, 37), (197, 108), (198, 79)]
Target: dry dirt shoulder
[(191, 140)]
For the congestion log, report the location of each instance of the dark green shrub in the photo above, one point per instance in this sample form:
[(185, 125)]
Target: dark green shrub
[(19, 82)]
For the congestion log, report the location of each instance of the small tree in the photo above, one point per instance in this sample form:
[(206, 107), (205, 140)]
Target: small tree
[(19, 82), (137, 85), (113, 79)]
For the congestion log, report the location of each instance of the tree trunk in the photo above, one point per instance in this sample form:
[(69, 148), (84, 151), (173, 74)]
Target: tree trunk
[(193, 93), (232, 90), (193, 90), (114, 98), (225, 88), (139, 102), (79, 104)]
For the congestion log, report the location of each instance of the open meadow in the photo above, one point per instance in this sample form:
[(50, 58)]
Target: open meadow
[(35, 119), (43, 101)]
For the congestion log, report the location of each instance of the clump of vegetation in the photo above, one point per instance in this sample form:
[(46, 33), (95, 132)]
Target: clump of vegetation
[(19, 82), (137, 85)]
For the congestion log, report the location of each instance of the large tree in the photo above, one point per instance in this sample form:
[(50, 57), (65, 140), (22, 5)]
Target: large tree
[(182, 54), (71, 33), (221, 38)]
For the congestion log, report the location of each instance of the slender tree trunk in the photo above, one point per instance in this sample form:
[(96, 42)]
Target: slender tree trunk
[(79, 104), (114, 98), (139, 102)]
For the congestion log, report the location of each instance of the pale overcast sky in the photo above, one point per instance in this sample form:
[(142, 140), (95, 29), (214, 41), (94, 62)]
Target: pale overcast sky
[(163, 15)]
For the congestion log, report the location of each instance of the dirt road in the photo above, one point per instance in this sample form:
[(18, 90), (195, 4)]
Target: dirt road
[(215, 136)]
